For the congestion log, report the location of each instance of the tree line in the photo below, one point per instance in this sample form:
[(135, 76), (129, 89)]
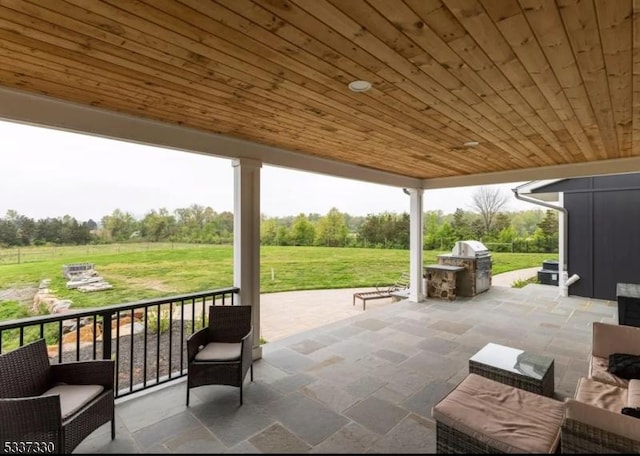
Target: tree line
[(529, 231)]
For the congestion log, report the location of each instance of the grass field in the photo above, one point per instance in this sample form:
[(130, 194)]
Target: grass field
[(154, 272)]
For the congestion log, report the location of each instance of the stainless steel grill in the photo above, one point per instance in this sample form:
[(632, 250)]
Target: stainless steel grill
[(476, 259)]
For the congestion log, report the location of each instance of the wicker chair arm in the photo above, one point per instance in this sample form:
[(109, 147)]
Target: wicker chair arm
[(31, 421), (195, 340), (97, 372), (247, 341), (247, 351)]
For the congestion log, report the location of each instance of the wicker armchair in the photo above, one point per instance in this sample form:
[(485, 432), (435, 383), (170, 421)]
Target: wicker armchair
[(52, 407), (222, 353)]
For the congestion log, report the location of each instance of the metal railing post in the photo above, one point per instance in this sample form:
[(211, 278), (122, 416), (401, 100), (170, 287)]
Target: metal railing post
[(106, 335)]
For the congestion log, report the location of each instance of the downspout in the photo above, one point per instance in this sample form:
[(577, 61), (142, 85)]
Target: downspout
[(563, 281)]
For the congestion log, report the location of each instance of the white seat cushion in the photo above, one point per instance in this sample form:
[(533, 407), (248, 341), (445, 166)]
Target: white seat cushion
[(220, 351), (74, 397)]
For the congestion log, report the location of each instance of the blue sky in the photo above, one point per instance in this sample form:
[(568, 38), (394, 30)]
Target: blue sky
[(50, 173)]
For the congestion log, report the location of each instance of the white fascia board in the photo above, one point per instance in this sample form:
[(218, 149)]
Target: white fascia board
[(39, 110), (534, 185), (540, 174)]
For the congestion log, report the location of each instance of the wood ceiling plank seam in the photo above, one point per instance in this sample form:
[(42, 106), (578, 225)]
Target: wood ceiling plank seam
[(373, 94), (79, 79), (350, 30), (449, 165), (616, 37), (441, 21), (509, 94), (396, 40), (209, 5), (485, 33), (545, 21), (518, 32), (271, 127), (581, 27), (362, 71), (521, 156), (126, 95), (636, 79), (193, 98), (408, 21), (470, 163), (446, 166), (72, 93), (402, 18), (399, 109)]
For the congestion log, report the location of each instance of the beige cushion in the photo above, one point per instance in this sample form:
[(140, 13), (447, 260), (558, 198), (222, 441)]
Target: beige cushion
[(609, 338), (506, 418), (598, 370), (74, 397), (633, 394), (602, 395), (615, 423), (220, 351)]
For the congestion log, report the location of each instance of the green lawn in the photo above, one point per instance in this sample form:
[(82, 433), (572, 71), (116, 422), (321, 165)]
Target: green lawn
[(174, 270)]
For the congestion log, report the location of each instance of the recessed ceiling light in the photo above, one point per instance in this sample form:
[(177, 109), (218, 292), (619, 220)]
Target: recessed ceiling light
[(359, 86), (471, 144)]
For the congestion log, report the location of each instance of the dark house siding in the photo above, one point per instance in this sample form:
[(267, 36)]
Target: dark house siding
[(603, 232)]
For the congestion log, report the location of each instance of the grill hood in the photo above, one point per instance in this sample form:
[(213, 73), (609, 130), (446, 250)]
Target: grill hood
[(469, 249)]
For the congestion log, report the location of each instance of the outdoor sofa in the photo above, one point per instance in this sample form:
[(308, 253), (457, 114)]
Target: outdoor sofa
[(481, 415)]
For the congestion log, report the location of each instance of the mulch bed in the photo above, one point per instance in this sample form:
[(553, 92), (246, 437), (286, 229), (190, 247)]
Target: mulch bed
[(155, 356)]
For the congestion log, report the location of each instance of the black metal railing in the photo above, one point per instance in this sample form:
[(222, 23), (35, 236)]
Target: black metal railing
[(147, 339)]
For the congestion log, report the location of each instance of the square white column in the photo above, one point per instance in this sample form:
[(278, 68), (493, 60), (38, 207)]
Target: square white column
[(246, 239), (416, 223)]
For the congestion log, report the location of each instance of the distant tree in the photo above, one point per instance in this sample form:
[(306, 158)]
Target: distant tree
[(401, 231), (461, 224), (549, 225), (282, 236), (120, 225), (331, 230), (502, 221), (369, 232), (302, 231), (488, 201), (268, 232), (526, 222), (91, 225), (8, 233), (157, 226), (432, 222)]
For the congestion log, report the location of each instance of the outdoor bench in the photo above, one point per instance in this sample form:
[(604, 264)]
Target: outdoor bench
[(481, 415)]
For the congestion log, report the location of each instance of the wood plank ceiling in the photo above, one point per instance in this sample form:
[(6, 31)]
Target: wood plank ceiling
[(534, 82)]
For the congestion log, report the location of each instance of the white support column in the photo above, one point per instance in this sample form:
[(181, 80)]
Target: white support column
[(246, 239), (416, 284)]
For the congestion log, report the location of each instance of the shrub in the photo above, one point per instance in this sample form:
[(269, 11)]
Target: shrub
[(155, 318), (520, 283)]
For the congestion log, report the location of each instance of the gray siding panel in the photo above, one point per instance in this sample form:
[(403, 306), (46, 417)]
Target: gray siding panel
[(616, 241), (580, 257)]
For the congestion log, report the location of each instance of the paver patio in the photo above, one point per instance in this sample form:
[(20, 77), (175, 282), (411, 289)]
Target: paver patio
[(365, 383)]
